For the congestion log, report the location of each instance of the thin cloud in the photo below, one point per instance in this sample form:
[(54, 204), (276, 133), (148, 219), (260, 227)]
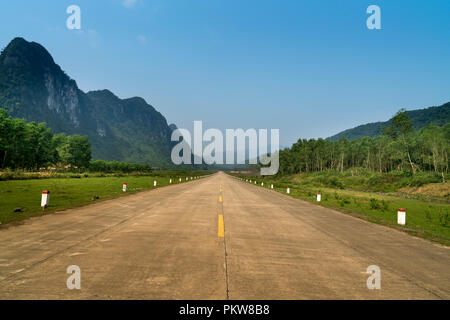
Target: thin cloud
[(91, 36), (142, 39), (129, 3)]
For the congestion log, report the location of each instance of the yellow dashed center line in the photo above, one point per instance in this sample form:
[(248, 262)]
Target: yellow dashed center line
[(221, 228), (220, 231)]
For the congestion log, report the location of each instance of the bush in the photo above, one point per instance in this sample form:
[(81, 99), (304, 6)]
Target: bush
[(335, 182), (116, 166), (428, 215), (344, 202), (332, 181), (384, 205), (444, 218), (374, 204), (421, 179)]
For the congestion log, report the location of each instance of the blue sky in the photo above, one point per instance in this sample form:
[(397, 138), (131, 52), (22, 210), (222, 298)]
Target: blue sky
[(309, 68)]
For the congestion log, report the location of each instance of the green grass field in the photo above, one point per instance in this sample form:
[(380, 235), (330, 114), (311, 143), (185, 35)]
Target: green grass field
[(426, 219), (68, 193)]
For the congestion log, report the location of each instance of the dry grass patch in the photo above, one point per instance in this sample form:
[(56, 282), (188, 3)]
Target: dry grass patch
[(432, 190)]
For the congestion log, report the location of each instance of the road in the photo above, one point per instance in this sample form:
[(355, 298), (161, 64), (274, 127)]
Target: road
[(215, 238)]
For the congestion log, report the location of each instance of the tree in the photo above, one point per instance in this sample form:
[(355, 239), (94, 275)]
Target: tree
[(80, 151), (33, 146), (402, 127), (5, 137), (61, 147)]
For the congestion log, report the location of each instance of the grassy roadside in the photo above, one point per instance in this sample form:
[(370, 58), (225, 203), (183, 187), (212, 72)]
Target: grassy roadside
[(66, 193), (55, 174), (425, 219)]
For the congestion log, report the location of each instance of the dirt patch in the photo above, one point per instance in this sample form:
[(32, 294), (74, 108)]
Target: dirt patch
[(434, 190)]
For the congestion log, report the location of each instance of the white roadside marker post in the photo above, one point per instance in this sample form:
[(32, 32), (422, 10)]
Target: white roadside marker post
[(187, 178), (255, 182), (154, 183), (319, 197), (262, 184), (288, 190), (271, 186), (401, 216), (45, 199), (170, 181), (124, 187), (179, 180)]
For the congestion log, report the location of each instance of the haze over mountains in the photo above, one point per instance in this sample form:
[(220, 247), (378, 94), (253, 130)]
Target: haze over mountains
[(33, 87)]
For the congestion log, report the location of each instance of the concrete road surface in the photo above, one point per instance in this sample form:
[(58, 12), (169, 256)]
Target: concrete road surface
[(215, 238)]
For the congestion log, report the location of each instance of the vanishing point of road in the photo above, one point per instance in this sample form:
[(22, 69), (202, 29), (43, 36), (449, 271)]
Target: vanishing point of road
[(215, 238)]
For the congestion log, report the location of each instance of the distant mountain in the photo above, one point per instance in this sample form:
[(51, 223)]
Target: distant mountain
[(33, 87), (434, 115)]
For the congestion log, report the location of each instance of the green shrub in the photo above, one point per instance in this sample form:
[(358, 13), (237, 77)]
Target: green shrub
[(384, 205), (428, 215), (421, 179), (116, 166), (344, 202), (444, 218), (335, 183), (374, 204)]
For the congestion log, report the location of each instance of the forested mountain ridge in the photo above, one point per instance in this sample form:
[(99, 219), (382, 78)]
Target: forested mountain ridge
[(438, 115), (34, 87)]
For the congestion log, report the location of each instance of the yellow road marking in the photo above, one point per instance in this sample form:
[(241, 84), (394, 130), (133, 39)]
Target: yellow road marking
[(220, 199), (221, 229)]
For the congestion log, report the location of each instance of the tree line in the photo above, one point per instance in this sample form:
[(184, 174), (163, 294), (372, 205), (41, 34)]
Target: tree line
[(117, 166), (400, 147), (33, 146)]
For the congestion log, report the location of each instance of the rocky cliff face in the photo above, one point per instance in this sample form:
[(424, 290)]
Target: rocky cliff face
[(33, 87), (63, 98)]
